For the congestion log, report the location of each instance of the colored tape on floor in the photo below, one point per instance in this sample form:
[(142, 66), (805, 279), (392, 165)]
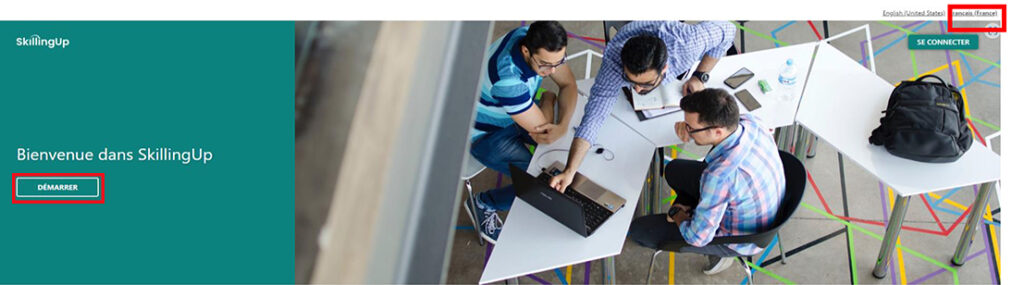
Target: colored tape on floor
[(956, 274)]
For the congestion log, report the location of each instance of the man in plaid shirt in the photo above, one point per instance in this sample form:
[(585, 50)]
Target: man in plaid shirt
[(736, 190)]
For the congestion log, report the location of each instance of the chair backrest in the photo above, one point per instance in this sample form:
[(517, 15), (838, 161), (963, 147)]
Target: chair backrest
[(796, 181), (471, 167), (608, 25)]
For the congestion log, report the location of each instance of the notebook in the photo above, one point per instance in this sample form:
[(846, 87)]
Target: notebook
[(665, 96)]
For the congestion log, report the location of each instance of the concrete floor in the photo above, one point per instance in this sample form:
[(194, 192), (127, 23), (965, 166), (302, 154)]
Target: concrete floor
[(819, 247)]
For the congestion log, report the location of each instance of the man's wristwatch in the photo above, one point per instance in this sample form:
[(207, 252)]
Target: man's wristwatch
[(703, 77)]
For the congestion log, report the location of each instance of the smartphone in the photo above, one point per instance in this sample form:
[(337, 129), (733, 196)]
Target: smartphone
[(738, 78), (748, 100), (672, 211)]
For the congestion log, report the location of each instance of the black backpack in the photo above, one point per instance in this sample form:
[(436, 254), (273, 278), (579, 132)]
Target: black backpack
[(924, 121)]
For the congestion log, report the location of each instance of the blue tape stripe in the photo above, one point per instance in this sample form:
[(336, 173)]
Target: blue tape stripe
[(958, 213), (779, 29), (963, 59), (560, 275), (996, 85), (760, 260), (944, 197), (901, 38), (978, 77)]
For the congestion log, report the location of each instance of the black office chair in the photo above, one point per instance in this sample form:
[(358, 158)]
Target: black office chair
[(796, 180), (609, 25)]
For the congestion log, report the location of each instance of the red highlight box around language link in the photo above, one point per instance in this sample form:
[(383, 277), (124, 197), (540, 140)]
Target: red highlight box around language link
[(1000, 7), (14, 188)]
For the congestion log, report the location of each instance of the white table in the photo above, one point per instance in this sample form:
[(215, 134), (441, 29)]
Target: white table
[(842, 104), (532, 242), (765, 64), (774, 111)]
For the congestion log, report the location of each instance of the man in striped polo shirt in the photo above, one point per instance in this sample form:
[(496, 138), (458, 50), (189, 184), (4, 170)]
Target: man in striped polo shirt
[(507, 116)]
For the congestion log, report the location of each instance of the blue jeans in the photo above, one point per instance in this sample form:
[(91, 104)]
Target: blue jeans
[(497, 150)]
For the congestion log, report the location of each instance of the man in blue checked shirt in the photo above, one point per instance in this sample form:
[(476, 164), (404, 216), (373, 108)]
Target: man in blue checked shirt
[(508, 118), (641, 56), (736, 190)]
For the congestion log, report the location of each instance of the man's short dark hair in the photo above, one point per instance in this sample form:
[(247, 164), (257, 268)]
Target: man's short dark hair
[(715, 107), (545, 34), (643, 53)]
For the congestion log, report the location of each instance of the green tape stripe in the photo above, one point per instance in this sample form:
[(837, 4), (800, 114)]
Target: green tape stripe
[(769, 273), (996, 64), (913, 62), (759, 34), (686, 153), (987, 124), (909, 32), (668, 200), (853, 259), (956, 276), (896, 27)]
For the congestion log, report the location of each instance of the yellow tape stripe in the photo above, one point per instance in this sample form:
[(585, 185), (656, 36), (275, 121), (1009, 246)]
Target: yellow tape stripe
[(995, 240), (568, 275), (671, 268), (963, 92), (933, 71), (948, 201)]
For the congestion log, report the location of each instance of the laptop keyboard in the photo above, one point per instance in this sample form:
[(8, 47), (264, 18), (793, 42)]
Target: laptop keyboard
[(594, 213)]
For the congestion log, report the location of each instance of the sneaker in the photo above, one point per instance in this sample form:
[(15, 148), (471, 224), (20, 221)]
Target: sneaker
[(717, 264), (489, 225)]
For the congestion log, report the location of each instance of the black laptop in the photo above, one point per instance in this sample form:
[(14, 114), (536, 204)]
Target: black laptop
[(582, 211)]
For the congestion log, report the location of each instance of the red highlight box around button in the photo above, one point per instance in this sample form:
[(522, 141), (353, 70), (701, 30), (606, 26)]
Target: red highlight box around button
[(14, 188), (1000, 7)]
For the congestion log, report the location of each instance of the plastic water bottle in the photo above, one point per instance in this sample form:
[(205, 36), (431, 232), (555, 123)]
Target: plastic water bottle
[(787, 80)]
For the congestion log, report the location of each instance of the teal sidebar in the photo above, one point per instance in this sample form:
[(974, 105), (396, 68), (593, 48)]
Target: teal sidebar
[(225, 87)]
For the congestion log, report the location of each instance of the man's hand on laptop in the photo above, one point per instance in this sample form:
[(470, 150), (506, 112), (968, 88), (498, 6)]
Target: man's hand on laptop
[(561, 182)]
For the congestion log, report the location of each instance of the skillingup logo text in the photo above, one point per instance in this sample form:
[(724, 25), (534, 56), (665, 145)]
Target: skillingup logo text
[(37, 41)]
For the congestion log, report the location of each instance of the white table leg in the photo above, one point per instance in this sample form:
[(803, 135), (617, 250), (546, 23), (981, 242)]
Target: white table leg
[(608, 270), (782, 137), (660, 166), (800, 147), (972, 223), (892, 233), (812, 150)]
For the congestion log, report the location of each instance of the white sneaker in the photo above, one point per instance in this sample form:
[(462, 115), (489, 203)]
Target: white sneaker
[(717, 264)]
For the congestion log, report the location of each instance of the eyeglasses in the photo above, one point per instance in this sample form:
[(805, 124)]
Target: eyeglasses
[(691, 130), (647, 87), (544, 66)]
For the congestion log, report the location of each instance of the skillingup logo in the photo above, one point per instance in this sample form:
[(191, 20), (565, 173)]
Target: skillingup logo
[(37, 41)]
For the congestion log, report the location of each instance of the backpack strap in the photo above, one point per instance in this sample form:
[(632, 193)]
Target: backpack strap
[(921, 79)]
